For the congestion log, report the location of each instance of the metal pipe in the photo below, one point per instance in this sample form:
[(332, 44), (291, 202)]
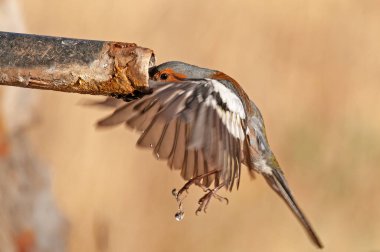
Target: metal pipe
[(73, 65)]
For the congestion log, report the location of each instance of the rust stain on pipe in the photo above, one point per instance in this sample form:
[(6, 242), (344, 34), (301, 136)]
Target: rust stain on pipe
[(73, 65)]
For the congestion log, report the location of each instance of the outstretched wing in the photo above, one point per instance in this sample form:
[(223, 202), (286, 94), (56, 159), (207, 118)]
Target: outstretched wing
[(197, 125)]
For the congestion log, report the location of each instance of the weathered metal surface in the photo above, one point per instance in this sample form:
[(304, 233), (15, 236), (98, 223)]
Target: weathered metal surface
[(73, 65)]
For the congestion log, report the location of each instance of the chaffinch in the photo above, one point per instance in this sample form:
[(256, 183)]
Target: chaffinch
[(205, 125)]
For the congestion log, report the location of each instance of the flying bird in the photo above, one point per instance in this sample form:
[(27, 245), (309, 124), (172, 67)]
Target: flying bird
[(204, 124)]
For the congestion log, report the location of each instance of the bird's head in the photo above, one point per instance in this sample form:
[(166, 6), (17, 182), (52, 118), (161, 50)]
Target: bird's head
[(173, 71)]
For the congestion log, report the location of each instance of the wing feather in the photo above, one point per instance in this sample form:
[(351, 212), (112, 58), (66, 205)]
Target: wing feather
[(201, 164), (141, 120), (150, 137), (179, 151), (166, 142)]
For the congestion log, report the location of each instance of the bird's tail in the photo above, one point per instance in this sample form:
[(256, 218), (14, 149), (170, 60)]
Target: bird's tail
[(278, 183)]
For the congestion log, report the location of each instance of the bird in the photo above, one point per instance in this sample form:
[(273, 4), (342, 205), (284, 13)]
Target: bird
[(204, 124)]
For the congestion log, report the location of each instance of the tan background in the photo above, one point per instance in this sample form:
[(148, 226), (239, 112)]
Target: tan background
[(313, 69)]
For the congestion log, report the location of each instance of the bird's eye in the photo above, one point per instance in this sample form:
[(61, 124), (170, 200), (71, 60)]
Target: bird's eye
[(164, 76)]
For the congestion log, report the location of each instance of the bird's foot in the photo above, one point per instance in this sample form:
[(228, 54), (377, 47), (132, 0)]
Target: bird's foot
[(205, 200), (180, 196)]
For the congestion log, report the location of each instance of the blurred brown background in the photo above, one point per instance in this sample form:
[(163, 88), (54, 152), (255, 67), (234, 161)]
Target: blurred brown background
[(311, 66)]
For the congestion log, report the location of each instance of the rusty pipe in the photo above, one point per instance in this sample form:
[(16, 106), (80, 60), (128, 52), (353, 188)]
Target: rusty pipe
[(73, 65)]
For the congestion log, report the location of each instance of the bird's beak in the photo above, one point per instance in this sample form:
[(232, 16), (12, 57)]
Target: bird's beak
[(152, 71)]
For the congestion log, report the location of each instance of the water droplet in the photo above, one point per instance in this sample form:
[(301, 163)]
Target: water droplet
[(174, 192), (151, 145), (157, 155), (179, 215)]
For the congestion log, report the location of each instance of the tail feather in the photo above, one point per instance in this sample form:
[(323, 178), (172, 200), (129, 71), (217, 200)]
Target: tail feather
[(278, 183)]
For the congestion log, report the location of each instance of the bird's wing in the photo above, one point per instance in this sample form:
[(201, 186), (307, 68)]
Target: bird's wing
[(197, 125)]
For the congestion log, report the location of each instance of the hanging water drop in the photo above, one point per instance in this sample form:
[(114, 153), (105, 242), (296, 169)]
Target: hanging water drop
[(179, 215)]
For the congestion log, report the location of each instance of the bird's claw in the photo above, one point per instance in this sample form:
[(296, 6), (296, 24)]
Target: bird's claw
[(205, 200), (196, 180)]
